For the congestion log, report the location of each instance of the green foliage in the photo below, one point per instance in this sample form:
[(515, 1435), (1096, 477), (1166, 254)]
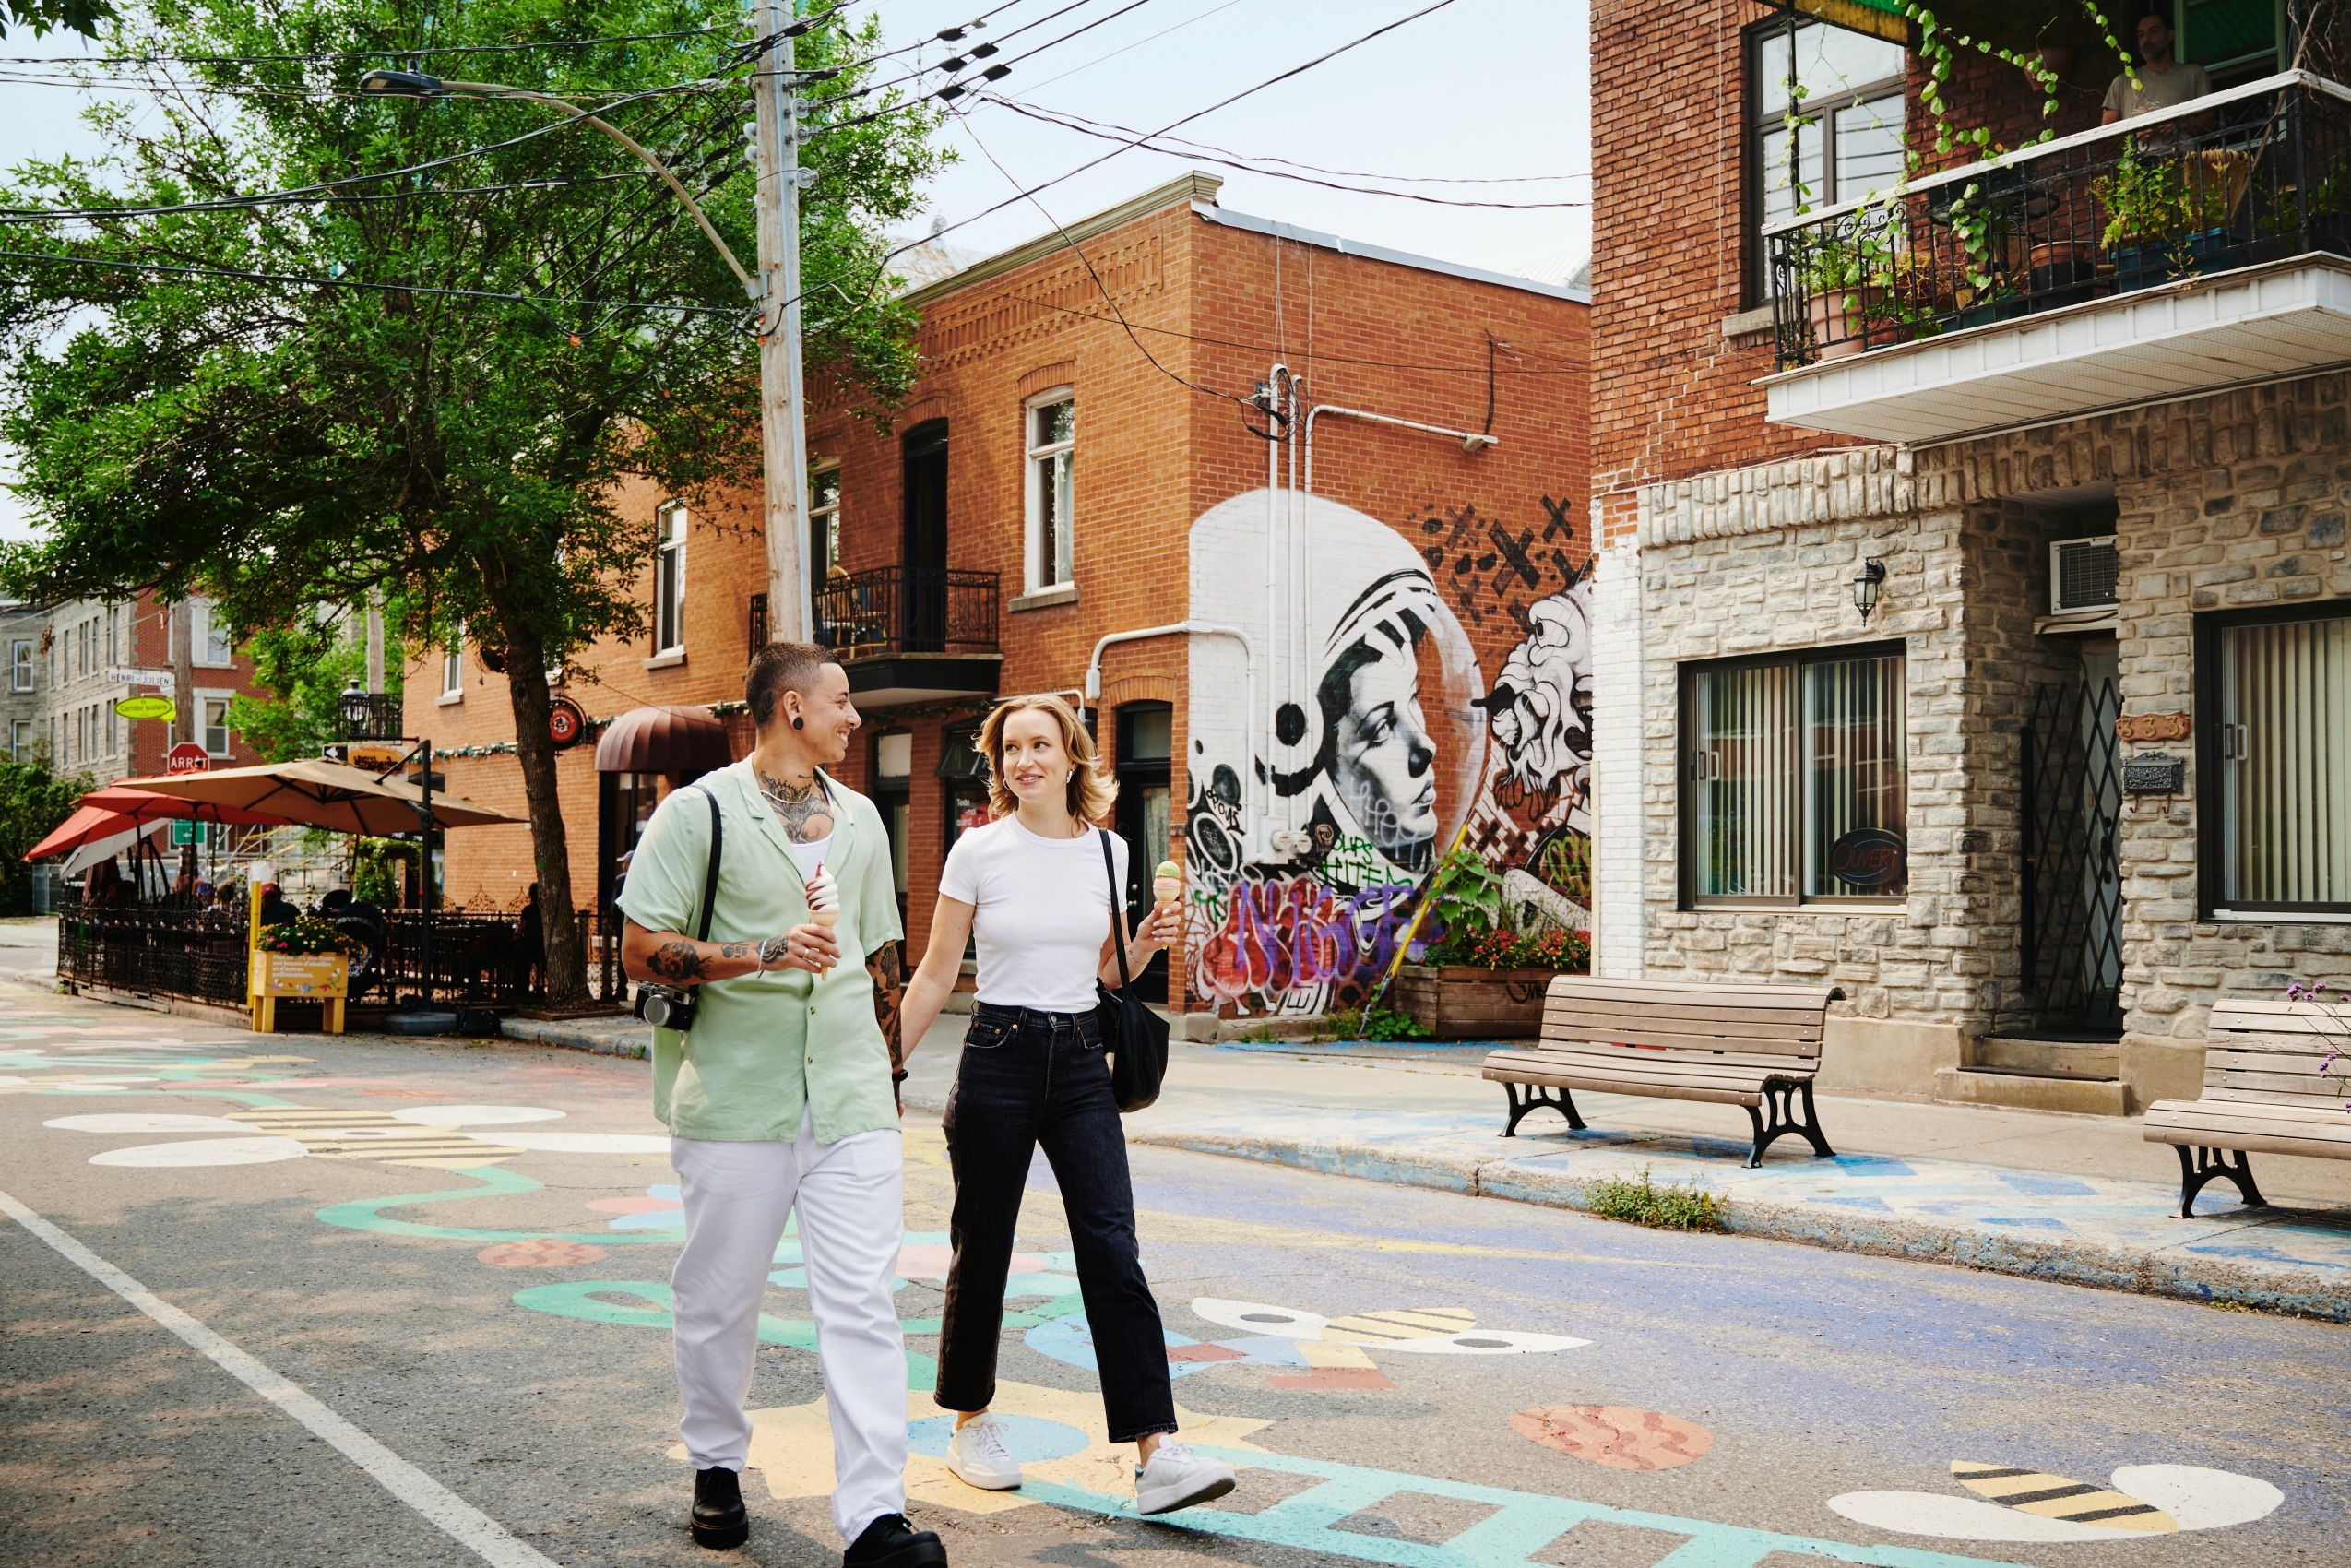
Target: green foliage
[(33, 800), (40, 16), (2156, 200), (306, 935), (307, 663), (380, 869), (1568, 951), (1467, 895), (1669, 1207), (1379, 1024)]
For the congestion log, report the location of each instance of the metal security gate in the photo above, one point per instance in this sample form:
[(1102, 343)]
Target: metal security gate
[(2072, 793)]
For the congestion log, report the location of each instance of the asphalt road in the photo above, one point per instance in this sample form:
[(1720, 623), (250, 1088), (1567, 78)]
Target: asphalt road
[(481, 1372)]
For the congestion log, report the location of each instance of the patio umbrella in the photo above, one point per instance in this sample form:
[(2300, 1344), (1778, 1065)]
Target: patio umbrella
[(88, 825), (93, 851), (318, 793), (145, 805)]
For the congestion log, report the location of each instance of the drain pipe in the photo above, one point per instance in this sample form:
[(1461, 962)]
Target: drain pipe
[(1250, 824)]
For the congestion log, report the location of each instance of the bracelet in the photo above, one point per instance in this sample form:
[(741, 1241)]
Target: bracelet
[(897, 1075)]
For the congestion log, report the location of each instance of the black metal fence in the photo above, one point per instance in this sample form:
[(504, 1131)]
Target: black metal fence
[(908, 610), (2260, 174)]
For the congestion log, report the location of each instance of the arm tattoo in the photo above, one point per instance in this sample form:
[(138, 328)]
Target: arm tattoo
[(737, 949), (889, 973), (800, 805), (774, 947), (680, 961)]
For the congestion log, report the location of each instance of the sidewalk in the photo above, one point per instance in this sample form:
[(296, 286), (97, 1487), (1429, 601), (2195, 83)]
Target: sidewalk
[(2079, 1199)]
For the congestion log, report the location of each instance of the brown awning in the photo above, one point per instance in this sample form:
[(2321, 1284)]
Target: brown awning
[(691, 741)]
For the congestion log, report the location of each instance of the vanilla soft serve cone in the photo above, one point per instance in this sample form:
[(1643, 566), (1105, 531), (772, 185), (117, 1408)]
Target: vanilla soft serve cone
[(824, 899)]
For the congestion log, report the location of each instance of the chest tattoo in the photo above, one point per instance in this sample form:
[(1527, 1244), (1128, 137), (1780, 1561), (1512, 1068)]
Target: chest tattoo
[(800, 805)]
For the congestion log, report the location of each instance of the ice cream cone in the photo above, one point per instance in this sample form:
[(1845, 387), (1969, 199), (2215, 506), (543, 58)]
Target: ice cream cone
[(824, 899)]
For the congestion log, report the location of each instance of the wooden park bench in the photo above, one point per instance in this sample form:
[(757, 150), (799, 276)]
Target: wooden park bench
[(2263, 1094), (1756, 1046)]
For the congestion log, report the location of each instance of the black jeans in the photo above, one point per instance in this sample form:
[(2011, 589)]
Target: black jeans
[(1028, 1078)]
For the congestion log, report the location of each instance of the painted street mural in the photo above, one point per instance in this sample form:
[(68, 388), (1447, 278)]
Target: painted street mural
[(1327, 774)]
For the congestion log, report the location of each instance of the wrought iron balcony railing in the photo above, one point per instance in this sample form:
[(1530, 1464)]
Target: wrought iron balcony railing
[(2255, 174), (907, 610)]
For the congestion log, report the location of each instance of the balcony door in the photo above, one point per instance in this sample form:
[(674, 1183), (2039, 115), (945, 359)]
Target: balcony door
[(924, 602)]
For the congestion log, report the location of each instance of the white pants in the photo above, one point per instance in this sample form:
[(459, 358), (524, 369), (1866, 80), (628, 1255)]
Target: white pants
[(737, 1197)]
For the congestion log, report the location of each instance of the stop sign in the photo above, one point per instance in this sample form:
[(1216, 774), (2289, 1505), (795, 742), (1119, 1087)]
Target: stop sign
[(186, 757)]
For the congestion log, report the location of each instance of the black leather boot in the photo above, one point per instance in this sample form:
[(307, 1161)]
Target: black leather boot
[(890, 1542), (719, 1518)]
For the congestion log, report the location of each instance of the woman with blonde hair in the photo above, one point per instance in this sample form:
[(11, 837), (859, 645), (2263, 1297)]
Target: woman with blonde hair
[(1034, 888)]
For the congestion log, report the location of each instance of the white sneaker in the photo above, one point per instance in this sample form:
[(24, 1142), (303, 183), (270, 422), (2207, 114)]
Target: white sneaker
[(978, 1455), (1177, 1477)]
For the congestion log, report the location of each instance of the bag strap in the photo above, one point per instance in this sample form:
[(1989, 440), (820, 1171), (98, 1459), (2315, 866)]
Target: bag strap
[(1118, 932), (710, 877)]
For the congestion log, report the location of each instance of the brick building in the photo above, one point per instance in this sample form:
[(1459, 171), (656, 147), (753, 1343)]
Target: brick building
[(1335, 650), (2074, 775), (62, 659)]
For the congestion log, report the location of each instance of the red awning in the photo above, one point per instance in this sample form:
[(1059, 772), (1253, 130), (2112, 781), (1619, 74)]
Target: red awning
[(145, 805), (689, 741)]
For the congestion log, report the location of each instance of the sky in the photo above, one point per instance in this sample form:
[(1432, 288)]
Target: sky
[(1481, 90)]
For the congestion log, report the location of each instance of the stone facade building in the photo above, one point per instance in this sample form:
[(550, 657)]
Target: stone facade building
[(2080, 768)]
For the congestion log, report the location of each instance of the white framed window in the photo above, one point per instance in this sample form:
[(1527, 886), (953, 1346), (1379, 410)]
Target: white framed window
[(453, 665), (113, 634), (824, 521), (20, 667), (20, 739), (209, 648), (215, 725), (668, 581), (1051, 435)]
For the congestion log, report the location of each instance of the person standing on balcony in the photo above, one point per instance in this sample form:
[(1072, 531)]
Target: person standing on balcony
[(1034, 885), (780, 1098), (2163, 82)]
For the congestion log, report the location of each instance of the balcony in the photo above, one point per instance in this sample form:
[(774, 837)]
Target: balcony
[(2207, 247), (912, 633)]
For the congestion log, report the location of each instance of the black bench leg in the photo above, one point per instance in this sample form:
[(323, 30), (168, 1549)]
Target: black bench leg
[(2200, 1166), (1779, 1099), (1559, 1099)]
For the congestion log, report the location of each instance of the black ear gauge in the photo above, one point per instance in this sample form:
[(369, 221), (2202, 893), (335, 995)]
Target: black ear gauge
[(797, 722)]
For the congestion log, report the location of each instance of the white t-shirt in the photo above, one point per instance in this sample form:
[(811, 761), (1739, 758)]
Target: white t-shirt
[(1042, 911), (812, 855)]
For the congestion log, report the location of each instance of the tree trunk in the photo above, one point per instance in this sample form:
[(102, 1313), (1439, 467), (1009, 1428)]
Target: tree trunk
[(535, 748)]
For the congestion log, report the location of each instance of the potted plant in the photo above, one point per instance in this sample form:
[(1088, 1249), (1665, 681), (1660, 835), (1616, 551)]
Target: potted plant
[(305, 959), (1847, 278), (1479, 980), (2149, 216)]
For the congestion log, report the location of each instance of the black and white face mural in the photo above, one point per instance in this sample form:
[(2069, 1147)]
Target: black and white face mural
[(1361, 743)]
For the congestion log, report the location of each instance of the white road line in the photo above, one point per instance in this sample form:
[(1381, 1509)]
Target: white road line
[(458, 1519)]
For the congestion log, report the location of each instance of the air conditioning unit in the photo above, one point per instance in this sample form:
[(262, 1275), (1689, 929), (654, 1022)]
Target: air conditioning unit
[(2084, 576)]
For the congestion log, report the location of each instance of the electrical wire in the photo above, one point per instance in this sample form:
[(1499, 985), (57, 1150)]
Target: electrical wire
[(1318, 169), (1125, 48), (1148, 143), (243, 276), (991, 47)]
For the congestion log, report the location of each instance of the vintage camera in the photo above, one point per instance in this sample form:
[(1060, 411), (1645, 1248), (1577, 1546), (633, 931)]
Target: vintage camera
[(666, 1007)]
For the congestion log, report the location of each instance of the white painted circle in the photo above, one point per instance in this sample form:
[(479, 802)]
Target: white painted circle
[(79, 1086), (1485, 1342), (1256, 1317), (148, 1121), (203, 1151), (1962, 1518), (476, 1115), (2198, 1499), (584, 1143)]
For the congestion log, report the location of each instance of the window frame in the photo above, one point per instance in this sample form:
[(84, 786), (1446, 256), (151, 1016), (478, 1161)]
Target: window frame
[(453, 665), (2212, 809), (1756, 126), (1034, 455), (668, 578), (20, 671), (824, 519), (20, 737), (1686, 799), (201, 627)]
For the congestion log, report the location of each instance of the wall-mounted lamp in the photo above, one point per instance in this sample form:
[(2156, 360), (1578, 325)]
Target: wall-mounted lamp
[(1866, 583)]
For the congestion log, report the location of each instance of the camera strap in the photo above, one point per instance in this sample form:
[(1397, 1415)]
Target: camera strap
[(710, 877)]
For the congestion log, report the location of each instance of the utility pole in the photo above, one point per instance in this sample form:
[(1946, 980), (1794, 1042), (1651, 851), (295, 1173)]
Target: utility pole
[(783, 431), (187, 714)]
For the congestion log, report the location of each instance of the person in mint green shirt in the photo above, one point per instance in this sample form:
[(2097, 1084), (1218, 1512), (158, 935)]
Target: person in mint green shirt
[(781, 1098)]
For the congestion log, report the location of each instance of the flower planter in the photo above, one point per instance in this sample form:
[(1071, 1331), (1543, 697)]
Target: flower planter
[(1463, 1002), (305, 976), (2064, 274), (1846, 321), (2141, 267)]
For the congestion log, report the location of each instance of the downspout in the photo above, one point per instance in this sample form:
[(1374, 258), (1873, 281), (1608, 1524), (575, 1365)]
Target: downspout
[(1278, 383), (1249, 700)]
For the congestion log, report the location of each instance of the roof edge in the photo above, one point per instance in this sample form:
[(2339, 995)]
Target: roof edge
[(1278, 229), (1197, 189)]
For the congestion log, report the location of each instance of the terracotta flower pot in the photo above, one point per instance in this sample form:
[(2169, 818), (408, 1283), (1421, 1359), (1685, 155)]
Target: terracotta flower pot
[(1846, 321)]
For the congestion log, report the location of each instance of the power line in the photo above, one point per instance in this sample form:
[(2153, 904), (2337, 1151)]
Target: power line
[(1125, 48), (957, 89), (1145, 140), (1337, 173), (243, 276)]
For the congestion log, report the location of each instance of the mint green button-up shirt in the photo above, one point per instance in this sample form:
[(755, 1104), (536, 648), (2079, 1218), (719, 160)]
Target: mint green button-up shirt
[(765, 1046)]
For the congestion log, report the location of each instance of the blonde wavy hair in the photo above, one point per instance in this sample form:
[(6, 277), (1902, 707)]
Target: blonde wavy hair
[(1091, 791)]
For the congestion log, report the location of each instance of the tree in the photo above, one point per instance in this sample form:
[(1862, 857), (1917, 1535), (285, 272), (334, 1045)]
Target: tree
[(308, 664), (80, 15), (33, 800), (285, 444)]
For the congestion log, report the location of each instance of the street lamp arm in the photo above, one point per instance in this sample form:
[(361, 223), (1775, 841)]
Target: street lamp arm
[(497, 89)]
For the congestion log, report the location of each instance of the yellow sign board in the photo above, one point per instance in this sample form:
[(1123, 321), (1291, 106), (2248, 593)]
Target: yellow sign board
[(145, 707)]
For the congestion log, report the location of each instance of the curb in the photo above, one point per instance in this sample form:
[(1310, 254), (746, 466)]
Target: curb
[(2207, 1281), (542, 1031)]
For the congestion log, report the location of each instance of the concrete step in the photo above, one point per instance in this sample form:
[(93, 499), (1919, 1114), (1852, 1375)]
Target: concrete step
[(2073, 1059), (2032, 1091)]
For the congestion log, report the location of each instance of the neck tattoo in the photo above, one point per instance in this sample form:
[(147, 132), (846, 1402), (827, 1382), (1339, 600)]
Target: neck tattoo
[(800, 805)]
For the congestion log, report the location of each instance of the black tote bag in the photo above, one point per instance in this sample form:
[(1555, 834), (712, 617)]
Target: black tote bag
[(1136, 1036)]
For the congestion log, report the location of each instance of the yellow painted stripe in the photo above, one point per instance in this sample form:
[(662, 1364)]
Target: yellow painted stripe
[(1442, 1320), (1364, 1331), (2059, 1497), (1317, 1354)]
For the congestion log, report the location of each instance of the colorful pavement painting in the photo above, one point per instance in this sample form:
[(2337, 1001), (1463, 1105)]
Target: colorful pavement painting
[(1058, 1433)]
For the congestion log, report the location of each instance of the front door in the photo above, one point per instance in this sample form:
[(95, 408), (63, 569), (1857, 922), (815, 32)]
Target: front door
[(2073, 798), (923, 596)]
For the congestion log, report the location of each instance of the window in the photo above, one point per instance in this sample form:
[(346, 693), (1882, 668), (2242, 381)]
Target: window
[(113, 634), (1052, 430), (20, 667), (20, 739), (2275, 696), (210, 647), (668, 582), (823, 522), (215, 725), (1850, 87), (1793, 785), (453, 665)]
